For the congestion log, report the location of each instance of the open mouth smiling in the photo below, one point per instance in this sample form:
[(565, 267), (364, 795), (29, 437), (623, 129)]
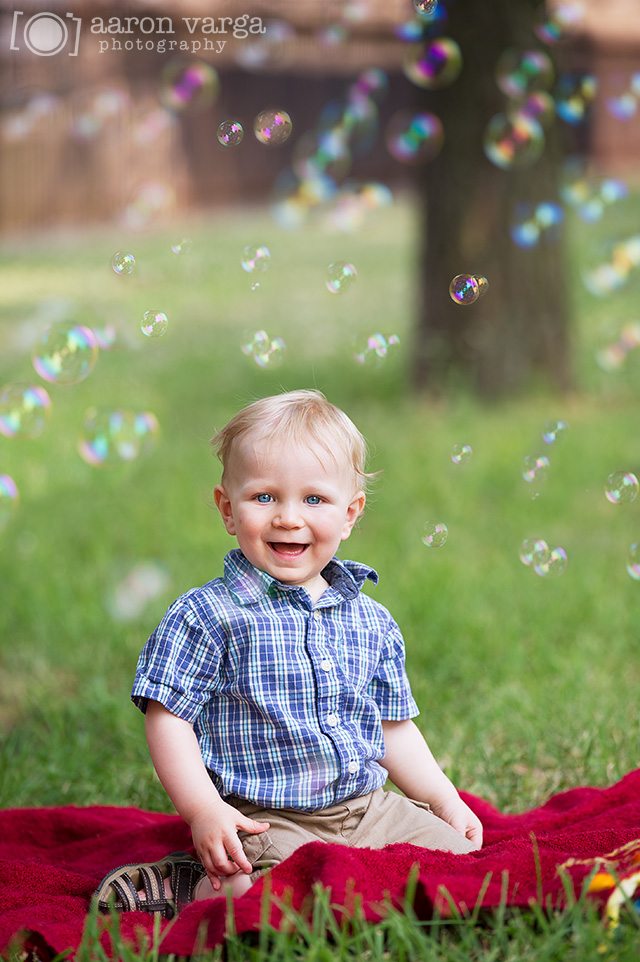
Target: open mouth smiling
[(289, 549)]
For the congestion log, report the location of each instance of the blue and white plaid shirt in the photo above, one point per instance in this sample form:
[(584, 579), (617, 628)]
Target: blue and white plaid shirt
[(286, 697)]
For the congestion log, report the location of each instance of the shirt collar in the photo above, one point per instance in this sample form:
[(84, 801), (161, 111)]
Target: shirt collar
[(249, 584)]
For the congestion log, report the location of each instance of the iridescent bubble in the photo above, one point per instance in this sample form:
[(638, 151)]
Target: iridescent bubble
[(554, 566), (461, 453), (147, 430), (24, 410), (560, 22), (467, 288), (122, 262), (554, 431), (433, 65), (270, 353), (256, 260), (9, 499), (540, 106), (340, 277), (230, 133), (519, 74), (108, 438), (531, 224), (621, 487), (535, 468), (272, 127), (513, 140), (182, 246), (633, 561), (255, 286), (534, 551), (148, 203), (65, 354), (154, 323), (187, 86), (574, 95), (373, 349), (435, 534), (622, 107), (425, 8), (144, 582), (414, 138)]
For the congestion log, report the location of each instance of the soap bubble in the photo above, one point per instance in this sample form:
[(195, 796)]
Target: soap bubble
[(65, 353), (147, 430), (144, 582), (433, 65), (425, 8), (255, 286), (554, 431), (256, 260), (414, 138), (122, 262), (272, 127), (154, 323), (188, 86), (467, 288), (340, 277), (24, 410), (182, 246), (554, 566), (530, 224), (109, 438), (621, 487), (633, 561), (461, 453), (9, 498), (148, 203), (535, 468), (435, 534), (230, 133), (513, 140), (519, 74), (373, 349), (574, 95), (265, 350), (534, 551), (540, 106), (559, 23)]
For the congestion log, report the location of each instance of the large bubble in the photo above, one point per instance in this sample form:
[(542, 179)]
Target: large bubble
[(109, 437), (574, 95), (154, 323), (534, 551), (513, 140), (340, 277), (554, 565), (65, 354), (414, 138), (533, 223), (188, 85), (467, 288), (272, 126), (373, 349), (265, 350), (123, 262), (461, 453), (433, 65), (256, 260), (24, 410), (230, 133), (621, 487), (435, 534), (535, 468), (520, 74)]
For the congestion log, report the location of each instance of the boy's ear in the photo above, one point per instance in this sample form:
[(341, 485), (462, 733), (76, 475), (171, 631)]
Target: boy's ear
[(223, 505), (354, 511)]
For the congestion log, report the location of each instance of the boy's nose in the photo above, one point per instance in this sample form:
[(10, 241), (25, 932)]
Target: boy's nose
[(287, 517)]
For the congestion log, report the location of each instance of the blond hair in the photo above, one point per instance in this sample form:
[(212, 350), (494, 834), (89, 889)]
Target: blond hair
[(297, 416)]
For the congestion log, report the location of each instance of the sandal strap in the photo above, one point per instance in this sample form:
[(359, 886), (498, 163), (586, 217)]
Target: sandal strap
[(184, 878), (126, 892)]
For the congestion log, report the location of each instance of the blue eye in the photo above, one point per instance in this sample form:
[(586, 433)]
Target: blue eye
[(313, 499), (263, 498)]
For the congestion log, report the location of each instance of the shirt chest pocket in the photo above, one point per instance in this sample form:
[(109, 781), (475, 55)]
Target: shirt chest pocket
[(358, 653)]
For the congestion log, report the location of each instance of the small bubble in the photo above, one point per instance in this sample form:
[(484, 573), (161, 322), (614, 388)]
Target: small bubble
[(633, 561), (621, 487), (255, 286), (230, 133), (182, 246), (65, 354), (425, 8), (519, 74), (554, 566), (433, 65), (534, 551), (513, 140), (435, 534), (414, 138), (147, 429), (461, 453), (24, 410), (554, 431), (265, 350), (108, 438), (187, 86), (256, 260), (340, 277), (154, 323), (272, 127), (9, 498), (122, 262), (467, 288), (535, 468)]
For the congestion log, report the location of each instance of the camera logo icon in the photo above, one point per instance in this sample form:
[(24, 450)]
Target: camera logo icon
[(46, 34)]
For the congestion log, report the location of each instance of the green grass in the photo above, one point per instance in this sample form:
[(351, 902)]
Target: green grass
[(527, 685)]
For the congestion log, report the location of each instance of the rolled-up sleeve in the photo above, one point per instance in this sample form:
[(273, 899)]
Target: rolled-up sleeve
[(389, 687)]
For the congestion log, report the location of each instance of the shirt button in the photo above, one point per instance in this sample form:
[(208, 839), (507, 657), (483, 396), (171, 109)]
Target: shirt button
[(353, 767), (325, 665), (332, 720), (317, 616)]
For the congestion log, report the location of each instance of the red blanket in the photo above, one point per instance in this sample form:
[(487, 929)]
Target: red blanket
[(51, 860)]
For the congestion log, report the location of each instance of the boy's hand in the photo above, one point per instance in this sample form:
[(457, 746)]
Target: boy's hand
[(458, 814), (215, 835)]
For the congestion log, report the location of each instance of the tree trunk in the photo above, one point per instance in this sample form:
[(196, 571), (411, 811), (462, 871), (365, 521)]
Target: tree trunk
[(519, 328)]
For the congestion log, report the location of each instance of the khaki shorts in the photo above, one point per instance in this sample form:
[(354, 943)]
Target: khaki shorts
[(371, 821)]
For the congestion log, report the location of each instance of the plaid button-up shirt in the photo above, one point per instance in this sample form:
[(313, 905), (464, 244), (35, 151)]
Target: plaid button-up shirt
[(286, 697)]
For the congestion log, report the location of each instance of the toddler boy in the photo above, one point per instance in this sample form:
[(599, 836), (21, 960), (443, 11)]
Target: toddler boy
[(276, 698)]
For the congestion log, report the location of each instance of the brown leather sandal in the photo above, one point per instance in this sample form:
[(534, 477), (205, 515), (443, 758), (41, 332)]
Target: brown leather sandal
[(118, 890)]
